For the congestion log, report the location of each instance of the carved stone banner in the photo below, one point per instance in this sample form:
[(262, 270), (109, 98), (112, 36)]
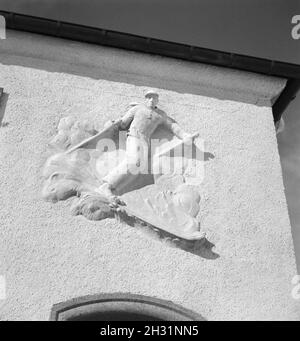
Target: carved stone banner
[(143, 166)]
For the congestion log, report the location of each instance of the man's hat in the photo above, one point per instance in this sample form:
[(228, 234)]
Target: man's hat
[(151, 93)]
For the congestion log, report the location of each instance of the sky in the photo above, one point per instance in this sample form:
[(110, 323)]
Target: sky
[(253, 27), (260, 28)]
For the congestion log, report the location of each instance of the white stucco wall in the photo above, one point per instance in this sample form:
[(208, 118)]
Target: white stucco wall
[(48, 256)]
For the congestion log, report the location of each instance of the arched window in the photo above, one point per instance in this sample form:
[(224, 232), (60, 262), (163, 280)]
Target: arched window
[(121, 307)]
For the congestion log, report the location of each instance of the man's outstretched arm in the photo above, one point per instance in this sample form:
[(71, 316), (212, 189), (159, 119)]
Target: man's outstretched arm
[(176, 129)]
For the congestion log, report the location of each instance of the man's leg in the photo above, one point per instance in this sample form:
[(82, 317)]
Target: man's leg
[(128, 169)]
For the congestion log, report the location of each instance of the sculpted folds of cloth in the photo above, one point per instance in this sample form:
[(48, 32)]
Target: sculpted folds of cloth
[(143, 166)]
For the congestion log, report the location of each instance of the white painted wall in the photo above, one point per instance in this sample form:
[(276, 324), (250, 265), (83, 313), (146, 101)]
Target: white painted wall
[(48, 256)]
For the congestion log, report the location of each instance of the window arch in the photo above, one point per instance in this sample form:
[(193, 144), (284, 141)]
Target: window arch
[(121, 307)]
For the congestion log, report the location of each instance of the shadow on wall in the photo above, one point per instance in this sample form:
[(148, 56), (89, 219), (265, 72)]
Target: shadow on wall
[(202, 248), (117, 65), (289, 150), (3, 102)]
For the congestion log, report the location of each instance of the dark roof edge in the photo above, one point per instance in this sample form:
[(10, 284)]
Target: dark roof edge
[(160, 47)]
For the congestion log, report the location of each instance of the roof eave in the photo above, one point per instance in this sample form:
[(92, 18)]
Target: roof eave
[(160, 47)]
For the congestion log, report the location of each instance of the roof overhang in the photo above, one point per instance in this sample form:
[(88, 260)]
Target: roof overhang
[(164, 48)]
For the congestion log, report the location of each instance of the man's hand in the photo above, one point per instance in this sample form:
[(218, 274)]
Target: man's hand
[(188, 138)]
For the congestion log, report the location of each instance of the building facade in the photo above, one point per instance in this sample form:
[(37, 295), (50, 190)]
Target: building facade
[(47, 256)]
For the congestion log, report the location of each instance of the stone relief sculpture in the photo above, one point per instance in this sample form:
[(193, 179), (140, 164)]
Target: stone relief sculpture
[(119, 171)]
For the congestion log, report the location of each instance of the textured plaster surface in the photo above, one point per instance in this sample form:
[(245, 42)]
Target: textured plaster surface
[(48, 256)]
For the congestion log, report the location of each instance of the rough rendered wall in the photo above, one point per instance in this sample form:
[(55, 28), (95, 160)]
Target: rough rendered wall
[(48, 256)]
